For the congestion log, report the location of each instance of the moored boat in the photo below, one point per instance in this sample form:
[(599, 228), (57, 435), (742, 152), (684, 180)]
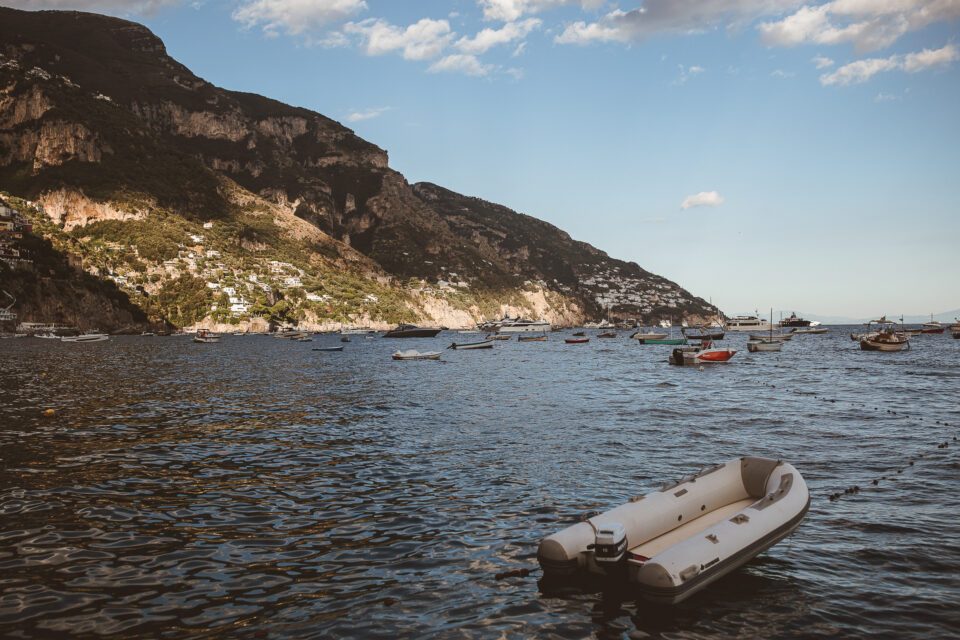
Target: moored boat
[(702, 333), (205, 337), (576, 340), (340, 348), (498, 337), (704, 353), (412, 354), (411, 331), (466, 346), (673, 542), (523, 325), (794, 321), (673, 341), (86, 337), (607, 334), (542, 338), (747, 323), (649, 335), (810, 330), (754, 346), (885, 340)]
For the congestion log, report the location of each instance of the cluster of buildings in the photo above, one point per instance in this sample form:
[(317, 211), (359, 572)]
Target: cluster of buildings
[(12, 228)]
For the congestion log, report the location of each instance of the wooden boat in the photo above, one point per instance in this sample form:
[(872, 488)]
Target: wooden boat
[(885, 340), (483, 344), (673, 542), (498, 337), (702, 334), (673, 341), (649, 335), (754, 346), (205, 337), (576, 340), (607, 334), (579, 334), (340, 348), (86, 337), (542, 338), (411, 331), (412, 354)]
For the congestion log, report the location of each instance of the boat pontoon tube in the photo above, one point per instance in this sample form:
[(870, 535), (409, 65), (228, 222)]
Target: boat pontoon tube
[(689, 533)]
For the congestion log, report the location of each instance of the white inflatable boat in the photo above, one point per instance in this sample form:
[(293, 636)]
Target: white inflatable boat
[(673, 542)]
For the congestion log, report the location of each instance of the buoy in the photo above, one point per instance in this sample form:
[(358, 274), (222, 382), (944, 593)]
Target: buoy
[(49, 412)]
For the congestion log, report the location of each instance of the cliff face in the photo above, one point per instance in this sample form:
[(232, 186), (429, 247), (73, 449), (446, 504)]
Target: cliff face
[(98, 123)]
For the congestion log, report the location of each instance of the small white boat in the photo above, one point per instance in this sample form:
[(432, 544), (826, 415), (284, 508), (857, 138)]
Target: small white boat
[(649, 335), (205, 337), (483, 344), (780, 337), (810, 330), (86, 337), (340, 348), (413, 354), (754, 346), (356, 332), (52, 336), (523, 325), (674, 542)]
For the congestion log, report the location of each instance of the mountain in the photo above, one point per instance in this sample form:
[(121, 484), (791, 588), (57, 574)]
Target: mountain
[(166, 184)]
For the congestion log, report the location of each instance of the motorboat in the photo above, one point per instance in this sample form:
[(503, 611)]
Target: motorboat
[(675, 541), (86, 337), (340, 348), (357, 332), (413, 354), (673, 341), (577, 340), (702, 333), (523, 325), (498, 337), (607, 334), (706, 353), (579, 334), (290, 334), (782, 337), (482, 344), (411, 331), (809, 330), (753, 346), (542, 338), (748, 323), (794, 321), (649, 335), (932, 327), (205, 337)]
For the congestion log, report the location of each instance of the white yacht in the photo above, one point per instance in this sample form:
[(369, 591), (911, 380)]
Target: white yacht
[(747, 323), (523, 325)]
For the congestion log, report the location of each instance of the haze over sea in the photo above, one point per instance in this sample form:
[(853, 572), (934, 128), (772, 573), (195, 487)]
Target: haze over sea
[(255, 488)]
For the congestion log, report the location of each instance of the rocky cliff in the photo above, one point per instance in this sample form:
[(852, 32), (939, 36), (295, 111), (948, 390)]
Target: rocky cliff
[(109, 134)]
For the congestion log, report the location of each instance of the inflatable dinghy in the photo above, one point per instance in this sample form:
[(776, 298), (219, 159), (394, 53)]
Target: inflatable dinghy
[(674, 542)]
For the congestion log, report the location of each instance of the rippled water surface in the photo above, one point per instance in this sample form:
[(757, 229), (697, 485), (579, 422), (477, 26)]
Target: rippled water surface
[(256, 488)]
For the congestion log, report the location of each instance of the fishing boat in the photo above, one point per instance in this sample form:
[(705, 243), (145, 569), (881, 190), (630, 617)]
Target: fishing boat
[(464, 346), (793, 321), (205, 337), (411, 331), (412, 354), (86, 337), (769, 342), (649, 335), (885, 340), (576, 340), (542, 338), (673, 542), (932, 327), (340, 348)]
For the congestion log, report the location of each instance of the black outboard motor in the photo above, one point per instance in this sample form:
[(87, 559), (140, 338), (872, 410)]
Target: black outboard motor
[(610, 546)]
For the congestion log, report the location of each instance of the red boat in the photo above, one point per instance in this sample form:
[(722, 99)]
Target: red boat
[(686, 356), (715, 355), (576, 340)]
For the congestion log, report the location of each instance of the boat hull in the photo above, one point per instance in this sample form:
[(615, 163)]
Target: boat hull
[(412, 333), (577, 340), (755, 346), (671, 341), (416, 355), (466, 346), (531, 338), (868, 344)]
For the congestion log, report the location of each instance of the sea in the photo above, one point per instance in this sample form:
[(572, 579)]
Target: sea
[(151, 487)]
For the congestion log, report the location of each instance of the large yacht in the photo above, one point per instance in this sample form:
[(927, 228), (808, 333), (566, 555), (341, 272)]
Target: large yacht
[(747, 323), (794, 321), (523, 325)]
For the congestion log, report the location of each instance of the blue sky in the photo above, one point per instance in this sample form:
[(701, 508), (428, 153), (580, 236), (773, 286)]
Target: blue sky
[(762, 153)]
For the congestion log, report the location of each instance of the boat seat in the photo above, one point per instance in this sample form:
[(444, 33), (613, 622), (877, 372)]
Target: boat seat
[(687, 530)]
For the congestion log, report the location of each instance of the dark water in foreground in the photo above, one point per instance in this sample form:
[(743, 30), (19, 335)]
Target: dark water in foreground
[(258, 489)]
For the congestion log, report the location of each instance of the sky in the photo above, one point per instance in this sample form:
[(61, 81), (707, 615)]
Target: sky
[(761, 153)]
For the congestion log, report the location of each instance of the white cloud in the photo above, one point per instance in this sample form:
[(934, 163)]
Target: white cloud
[(295, 16), (862, 70), (465, 63), (489, 38), (423, 40), (688, 72), (780, 73), (886, 97), (822, 62), (510, 10), (123, 7), (366, 114), (671, 16), (702, 199), (867, 24)]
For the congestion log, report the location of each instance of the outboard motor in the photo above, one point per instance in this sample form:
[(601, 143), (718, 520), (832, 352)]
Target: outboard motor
[(610, 545)]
